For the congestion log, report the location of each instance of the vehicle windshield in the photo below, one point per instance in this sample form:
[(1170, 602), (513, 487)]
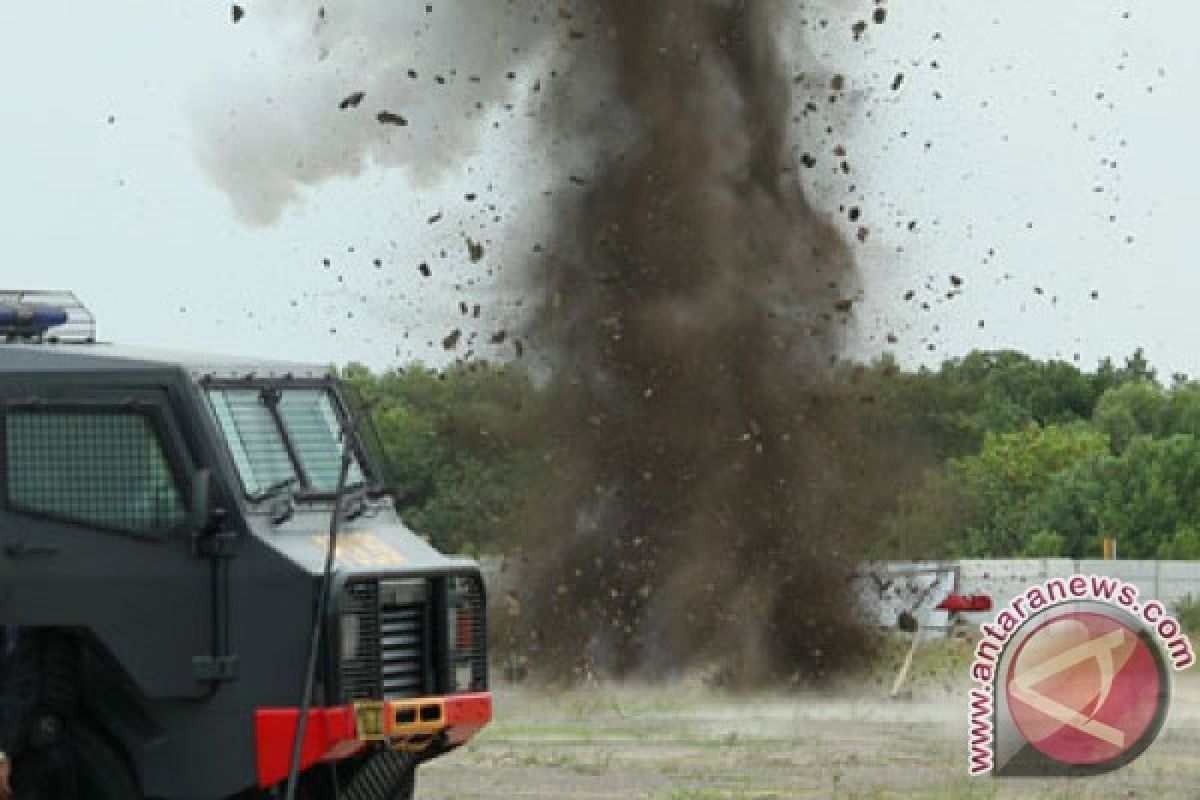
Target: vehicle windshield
[(283, 437)]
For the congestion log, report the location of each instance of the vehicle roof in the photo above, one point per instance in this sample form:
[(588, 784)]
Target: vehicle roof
[(27, 357)]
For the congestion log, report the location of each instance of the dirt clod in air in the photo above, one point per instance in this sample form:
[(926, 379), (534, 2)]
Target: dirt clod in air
[(390, 118), (474, 250), (351, 100)]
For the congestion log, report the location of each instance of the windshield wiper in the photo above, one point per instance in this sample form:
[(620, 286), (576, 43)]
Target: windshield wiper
[(356, 501), (318, 495), (274, 488), (357, 498)]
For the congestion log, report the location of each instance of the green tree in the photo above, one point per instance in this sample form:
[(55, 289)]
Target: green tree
[(998, 392), (1184, 545), (1145, 408), (458, 445), (1069, 505), (1151, 494), (1006, 479), (1131, 409), (1045, 544)]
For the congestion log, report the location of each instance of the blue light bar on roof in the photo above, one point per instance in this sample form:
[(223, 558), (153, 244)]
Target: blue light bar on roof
[(30, 320)]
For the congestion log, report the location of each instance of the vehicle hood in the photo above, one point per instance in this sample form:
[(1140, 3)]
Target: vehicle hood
[(378, 544)]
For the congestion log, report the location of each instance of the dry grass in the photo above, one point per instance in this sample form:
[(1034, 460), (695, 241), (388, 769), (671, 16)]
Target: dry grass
[(684, 742)]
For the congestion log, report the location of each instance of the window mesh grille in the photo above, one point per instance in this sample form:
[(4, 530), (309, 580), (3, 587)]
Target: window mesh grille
[(105, 469)]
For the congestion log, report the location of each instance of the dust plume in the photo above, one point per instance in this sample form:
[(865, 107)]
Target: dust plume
[(715, 484)]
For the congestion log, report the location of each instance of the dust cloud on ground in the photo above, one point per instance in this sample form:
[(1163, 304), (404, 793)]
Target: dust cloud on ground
[(685, 741)]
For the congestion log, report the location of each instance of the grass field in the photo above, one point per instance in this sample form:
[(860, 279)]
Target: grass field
[(684, 742)]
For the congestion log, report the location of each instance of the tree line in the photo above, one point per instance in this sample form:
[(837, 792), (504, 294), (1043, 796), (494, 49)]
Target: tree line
[(1013, 456)]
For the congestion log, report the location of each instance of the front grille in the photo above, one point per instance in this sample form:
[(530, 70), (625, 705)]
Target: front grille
[(400, 638), (402, 655), (388, 626)]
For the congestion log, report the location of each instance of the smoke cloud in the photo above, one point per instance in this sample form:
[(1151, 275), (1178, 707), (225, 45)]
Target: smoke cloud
[(357, 84)]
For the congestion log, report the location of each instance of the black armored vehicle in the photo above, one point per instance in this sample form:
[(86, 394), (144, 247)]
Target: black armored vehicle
[(168, 516)]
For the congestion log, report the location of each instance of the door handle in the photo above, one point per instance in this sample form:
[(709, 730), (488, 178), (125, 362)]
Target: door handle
[(26, 550)]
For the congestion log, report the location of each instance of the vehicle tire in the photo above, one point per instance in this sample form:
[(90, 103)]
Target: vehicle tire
[(376, 775), (101, 772), (383, 775), (71, 762)]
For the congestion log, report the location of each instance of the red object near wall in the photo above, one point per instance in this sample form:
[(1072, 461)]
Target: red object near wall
[(972, 602)]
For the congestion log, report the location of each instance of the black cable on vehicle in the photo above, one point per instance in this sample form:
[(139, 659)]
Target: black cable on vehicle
[(319, 617)]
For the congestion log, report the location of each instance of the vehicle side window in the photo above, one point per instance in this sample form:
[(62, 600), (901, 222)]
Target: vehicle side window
[(106, 469)]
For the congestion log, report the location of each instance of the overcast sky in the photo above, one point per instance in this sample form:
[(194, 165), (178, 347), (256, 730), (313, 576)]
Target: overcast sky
[(1043, 152)]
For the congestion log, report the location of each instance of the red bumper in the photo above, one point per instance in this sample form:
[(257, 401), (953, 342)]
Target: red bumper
[(339, 732)]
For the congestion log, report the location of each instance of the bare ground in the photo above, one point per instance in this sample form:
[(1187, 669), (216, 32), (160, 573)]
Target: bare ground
[(684, 742)]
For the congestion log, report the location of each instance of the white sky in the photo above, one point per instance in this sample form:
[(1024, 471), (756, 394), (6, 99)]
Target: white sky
[(123, 214)]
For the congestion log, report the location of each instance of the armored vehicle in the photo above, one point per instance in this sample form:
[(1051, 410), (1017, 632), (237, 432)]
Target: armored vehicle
[(169, 516)]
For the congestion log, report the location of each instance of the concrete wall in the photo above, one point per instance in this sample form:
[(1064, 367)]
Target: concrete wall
[(889, 588)]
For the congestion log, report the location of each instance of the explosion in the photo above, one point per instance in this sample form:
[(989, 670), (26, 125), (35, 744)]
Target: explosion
[(716, 489), (714, 485)]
